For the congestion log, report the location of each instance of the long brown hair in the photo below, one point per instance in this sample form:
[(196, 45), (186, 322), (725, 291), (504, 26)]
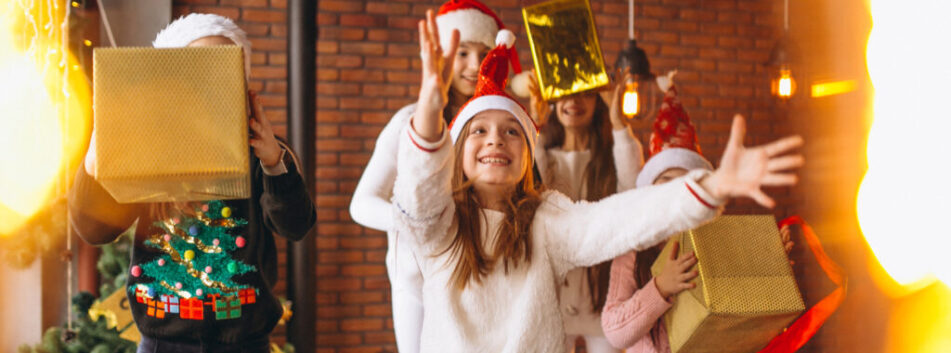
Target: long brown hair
[(600, 180), (642, 275), (514, 244)]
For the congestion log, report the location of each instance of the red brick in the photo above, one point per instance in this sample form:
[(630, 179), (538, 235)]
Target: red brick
[(362, 20), (340, 6), (338, 89), (361, 325), (388, 8), (244, 3), (255, 15), (361, 75), (387, 63), (229, 12), (364, 48), (268, 44), (341, 61)]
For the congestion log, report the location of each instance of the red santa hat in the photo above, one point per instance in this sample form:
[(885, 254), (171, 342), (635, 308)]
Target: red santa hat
[(673, 144), (490, 92), (186, 29), (475, 22)]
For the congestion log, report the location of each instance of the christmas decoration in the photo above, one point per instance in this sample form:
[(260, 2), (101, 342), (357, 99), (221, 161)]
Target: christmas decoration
[(565, 47), (156, 309), (41, 234), (88, 334), (745, 293), (248, 296), (192, 309), (192, 260), (141, 93), (227, 308)]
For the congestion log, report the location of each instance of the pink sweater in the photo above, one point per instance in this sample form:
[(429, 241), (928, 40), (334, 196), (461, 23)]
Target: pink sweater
[(629, 313)]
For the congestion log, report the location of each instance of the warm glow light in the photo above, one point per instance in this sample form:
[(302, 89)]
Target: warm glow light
[(630, 105), (826, 89), (784, 86), (45, 112), (903, 205)]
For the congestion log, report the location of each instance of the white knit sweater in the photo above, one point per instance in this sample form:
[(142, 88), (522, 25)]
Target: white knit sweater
[(518, 311), (563, 171)]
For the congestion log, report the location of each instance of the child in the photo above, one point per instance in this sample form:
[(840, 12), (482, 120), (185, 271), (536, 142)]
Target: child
[(279, 203), (636, 301), (491, 247), (370, 206), (587, 153)]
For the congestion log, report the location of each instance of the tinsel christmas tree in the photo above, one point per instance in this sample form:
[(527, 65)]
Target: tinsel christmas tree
[(196, 268)]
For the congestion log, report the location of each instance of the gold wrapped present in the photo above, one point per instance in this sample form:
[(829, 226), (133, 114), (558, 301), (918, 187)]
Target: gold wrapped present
[(746, 292), (115, 308), (565, 47), (171, 124)]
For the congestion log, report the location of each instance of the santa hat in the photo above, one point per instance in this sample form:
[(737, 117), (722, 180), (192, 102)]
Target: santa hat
[(490, 92), (475, 22), (187, 29), (673, 144)]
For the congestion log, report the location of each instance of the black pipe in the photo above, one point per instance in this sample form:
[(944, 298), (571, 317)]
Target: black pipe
[(301, 116)]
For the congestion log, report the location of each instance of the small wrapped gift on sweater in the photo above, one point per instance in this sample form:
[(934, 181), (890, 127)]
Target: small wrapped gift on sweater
[(171, 124), (746, 292)]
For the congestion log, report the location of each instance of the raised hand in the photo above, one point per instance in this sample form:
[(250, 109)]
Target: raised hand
[(617, 97), (437, 76), (676, 275), (539, 107), (263, 142), (744, 170)]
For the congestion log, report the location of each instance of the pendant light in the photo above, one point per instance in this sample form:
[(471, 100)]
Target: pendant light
[(782, 78), (640, 94)]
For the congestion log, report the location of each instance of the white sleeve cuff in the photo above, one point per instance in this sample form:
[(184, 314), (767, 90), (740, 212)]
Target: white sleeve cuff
[(424, 145), (278, 169), (699, 192)]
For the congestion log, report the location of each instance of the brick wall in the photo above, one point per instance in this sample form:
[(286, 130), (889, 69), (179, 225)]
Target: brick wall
[(367, 68)]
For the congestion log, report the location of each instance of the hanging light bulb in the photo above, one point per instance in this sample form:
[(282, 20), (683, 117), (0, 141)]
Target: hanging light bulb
[(783, 84), (782, 81), (630, 105), (641, 93)]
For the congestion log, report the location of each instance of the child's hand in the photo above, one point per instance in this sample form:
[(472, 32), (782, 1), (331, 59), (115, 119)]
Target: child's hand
[(617, 99), (437, 76), (263, 142), (743, 170), (539, 107), (676, 275), (786, 236)]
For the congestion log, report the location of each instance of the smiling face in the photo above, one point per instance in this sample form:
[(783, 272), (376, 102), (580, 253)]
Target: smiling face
[(577, 110), (495, 153), (466, 67)]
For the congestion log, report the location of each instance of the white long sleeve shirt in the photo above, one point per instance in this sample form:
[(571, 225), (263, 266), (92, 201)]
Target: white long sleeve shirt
[(370, 207), (564, 171), (518, 311)]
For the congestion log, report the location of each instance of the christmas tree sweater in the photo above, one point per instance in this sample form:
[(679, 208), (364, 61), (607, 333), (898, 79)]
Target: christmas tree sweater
[(204, 270)]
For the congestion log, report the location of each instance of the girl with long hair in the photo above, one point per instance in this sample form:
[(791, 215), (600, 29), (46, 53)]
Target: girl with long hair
[(370, 205), (587, 153), (491, 247)]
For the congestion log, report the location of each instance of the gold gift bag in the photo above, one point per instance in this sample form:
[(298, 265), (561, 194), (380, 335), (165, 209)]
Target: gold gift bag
[(746, 292), (115, 308), (171, 124), (565, 47)]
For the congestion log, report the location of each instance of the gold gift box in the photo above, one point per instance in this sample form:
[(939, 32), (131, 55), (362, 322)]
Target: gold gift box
[(565, 47), (171, 124), (746, 292)]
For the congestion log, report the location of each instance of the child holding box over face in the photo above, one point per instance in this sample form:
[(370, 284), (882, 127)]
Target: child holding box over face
[(201, 272)]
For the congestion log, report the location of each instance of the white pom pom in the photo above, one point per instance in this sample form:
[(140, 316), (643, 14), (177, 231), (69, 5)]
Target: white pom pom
[(505, 37), (519, 84), (667, 81)]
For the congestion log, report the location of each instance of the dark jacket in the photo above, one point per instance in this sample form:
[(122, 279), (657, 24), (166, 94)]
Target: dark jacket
[(278, 204)]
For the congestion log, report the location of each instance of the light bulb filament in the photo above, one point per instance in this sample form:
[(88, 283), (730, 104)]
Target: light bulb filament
[(630, 105)]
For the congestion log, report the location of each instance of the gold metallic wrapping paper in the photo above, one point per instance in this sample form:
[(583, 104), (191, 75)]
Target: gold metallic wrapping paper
[(746, 292), (565, 47), (171, 124)]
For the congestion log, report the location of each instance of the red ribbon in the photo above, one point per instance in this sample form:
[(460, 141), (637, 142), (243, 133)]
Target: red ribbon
[(801, 330)]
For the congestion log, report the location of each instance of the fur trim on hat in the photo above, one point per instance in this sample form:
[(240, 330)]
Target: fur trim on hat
[(186, 29), (473, 26), (675, 157)]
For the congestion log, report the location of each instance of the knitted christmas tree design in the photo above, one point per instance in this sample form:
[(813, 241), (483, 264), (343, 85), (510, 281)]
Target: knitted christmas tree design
[(197, 264)]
